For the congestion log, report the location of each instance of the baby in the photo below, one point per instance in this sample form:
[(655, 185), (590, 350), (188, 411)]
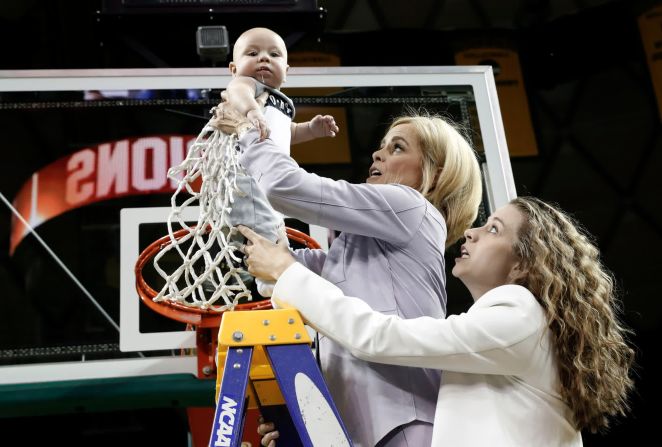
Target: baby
[(260, 65), (260, 55)]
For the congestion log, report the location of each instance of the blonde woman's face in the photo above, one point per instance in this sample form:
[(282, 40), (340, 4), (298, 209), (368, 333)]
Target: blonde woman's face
[(487, 259), (399, 158)]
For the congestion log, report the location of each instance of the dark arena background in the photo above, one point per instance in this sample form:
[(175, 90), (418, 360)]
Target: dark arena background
[(580, 91)]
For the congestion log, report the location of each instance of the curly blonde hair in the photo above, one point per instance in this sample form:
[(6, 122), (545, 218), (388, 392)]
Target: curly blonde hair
[(451, 175), (566, 275)]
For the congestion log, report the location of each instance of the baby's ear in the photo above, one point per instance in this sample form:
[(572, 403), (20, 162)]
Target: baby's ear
[(233, 68)]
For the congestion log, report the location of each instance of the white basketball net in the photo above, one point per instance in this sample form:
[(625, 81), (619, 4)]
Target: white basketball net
[(202, 280)]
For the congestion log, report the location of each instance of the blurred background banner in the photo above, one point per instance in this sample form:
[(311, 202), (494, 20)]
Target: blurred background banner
[(650, 27), (110, 170), (512, 95), (324, 150)]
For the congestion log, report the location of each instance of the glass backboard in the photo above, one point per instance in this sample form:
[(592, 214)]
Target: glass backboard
[(84, 191)]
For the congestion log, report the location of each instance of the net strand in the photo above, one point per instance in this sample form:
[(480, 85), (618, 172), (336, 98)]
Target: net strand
[(203, 280)]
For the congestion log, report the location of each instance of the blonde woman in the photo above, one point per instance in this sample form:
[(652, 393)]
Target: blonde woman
[(423, 190), (539, 356)]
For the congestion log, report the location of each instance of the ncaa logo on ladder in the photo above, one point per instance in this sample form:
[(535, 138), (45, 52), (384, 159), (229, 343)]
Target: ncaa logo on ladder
[(225, 422)]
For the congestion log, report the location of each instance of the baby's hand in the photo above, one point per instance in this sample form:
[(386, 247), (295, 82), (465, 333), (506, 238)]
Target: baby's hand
[(257, 119), (323, 126)]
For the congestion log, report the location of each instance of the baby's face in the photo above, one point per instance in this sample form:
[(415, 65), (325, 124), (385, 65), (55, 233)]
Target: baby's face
[(261, 54)]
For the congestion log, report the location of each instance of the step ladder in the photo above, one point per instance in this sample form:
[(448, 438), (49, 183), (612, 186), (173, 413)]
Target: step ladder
[(269, 365)]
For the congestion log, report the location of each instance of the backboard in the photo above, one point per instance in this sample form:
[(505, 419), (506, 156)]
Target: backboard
[(85, 169)]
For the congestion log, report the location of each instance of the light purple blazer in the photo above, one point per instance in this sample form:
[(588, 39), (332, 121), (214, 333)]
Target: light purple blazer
[(390, 254)]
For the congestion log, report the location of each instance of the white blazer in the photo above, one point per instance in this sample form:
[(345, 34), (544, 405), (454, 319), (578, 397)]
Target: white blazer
[(499, 381)]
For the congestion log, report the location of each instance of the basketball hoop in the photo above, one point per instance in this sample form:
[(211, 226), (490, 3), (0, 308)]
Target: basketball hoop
[(205, 321), (196, 316)]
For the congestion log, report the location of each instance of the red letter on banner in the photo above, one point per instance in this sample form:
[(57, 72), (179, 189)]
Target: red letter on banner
[(80, 166)]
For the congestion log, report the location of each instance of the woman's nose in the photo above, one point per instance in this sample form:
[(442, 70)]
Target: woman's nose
[(377, 155), (468, 234)]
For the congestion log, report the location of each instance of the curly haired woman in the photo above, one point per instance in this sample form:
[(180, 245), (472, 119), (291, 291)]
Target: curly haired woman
[(541, 354)]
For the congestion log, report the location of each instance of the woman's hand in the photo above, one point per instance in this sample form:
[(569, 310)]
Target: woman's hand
[(268, 432), (265, 260), (257, 119), (229, 120)]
